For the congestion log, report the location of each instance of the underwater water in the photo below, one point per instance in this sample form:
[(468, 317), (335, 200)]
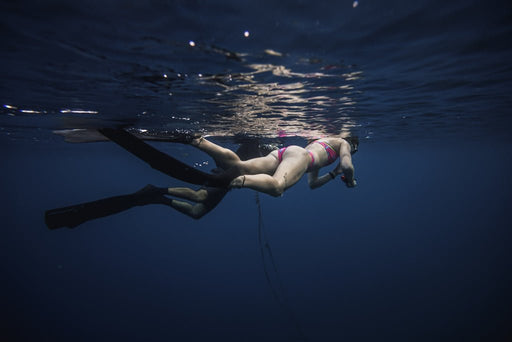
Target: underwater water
[(418, 251)]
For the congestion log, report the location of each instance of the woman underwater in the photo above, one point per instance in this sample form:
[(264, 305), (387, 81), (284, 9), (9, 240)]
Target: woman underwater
[(281, 169), (271, 174)]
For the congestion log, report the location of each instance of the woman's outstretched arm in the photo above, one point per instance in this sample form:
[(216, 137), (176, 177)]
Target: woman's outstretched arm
[(347, 168), (315, 181)]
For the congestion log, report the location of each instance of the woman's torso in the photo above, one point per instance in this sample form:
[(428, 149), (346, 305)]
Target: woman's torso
[(325, 151)]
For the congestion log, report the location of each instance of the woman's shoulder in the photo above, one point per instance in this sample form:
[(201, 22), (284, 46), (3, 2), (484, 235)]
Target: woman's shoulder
[(324, 139), (335, 142)]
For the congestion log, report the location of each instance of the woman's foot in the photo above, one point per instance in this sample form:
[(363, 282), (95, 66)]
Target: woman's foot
[(196, 141), (237, 183)]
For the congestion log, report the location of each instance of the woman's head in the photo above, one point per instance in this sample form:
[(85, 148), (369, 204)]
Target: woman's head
[(354, 143)]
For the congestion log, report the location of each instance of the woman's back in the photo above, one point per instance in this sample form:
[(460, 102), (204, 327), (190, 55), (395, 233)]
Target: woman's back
[(325, 150)]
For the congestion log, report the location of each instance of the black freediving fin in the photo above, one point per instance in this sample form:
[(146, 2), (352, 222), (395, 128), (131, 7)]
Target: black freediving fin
[(75, 215), (165, 163)]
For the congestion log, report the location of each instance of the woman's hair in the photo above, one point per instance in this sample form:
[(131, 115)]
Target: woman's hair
[(354, 143)]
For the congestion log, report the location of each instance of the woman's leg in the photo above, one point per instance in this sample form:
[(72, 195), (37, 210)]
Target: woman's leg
[(188, 194), (226, 159), (206, 200), (290, 170), (195, 211)]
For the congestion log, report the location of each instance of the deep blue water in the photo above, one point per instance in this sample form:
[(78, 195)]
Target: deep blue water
[(419, 251)]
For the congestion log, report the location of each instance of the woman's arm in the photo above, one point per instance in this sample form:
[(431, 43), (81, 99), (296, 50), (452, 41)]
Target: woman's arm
[(344, 167), (316, 182), (347, 168)]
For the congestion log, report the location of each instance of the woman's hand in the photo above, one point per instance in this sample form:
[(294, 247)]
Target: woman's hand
[(338, 170), (349, 183)]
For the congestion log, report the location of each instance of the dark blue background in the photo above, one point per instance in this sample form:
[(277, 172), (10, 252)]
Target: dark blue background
[(418, 251)]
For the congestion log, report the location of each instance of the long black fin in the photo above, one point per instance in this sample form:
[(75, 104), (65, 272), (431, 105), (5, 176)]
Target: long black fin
[(74, 215), (165, 163)]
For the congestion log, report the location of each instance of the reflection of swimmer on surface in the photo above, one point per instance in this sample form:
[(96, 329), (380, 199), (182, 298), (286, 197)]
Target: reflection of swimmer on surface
[(281, 169)]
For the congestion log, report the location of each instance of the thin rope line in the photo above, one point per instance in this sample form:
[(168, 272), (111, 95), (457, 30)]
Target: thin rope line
[(278, 293)]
